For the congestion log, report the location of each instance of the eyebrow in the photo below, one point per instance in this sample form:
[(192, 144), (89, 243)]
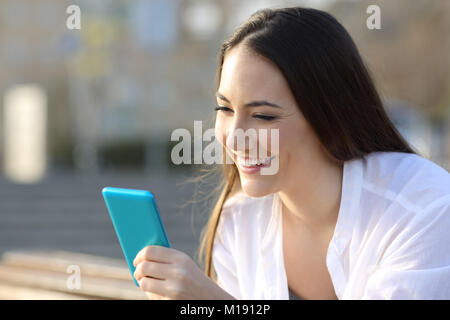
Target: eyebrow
[(257, 103)]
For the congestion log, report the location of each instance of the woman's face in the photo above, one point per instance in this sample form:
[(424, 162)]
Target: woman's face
[(247, 78)]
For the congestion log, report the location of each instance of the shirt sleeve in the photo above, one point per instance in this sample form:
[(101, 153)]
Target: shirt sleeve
[(223, 259), (417, 265)]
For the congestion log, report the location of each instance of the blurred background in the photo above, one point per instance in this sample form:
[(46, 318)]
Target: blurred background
[(92, 107)]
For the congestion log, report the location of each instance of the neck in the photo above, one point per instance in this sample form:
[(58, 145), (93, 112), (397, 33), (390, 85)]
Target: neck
[(313, 198)]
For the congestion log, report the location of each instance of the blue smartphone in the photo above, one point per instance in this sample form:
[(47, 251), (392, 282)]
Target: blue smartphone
[(136, 220)]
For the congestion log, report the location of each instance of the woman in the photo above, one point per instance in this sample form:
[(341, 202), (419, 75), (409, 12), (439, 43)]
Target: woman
[(352, 211)]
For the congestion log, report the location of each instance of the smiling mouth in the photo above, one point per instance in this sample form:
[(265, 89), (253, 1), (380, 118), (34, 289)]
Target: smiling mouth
[(253, 162)]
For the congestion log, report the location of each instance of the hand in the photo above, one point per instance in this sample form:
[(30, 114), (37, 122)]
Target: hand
[(167, 273)]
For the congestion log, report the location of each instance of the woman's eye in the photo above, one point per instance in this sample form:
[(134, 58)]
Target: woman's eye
[(222, 108), (264, 117), (257, 116)]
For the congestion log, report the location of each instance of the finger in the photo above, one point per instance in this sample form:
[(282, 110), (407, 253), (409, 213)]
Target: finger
[(151, 269), (155, 286), (154, 296), (155, 253)]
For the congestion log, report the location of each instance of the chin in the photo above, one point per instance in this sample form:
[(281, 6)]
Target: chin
[(256, 188)]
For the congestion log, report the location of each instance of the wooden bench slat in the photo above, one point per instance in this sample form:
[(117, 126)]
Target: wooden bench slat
[(58, 261), (50, 280), (101, 277), (14, 292)]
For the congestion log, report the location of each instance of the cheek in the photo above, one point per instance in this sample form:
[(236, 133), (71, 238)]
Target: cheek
[(292, 144), (220, 131), (221, 134), (300, 146), (286, 148)]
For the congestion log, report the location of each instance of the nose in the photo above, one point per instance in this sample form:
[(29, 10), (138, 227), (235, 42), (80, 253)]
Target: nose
[(241, 139)]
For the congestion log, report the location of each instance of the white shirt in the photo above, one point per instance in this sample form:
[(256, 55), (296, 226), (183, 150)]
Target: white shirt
[(391, 239)]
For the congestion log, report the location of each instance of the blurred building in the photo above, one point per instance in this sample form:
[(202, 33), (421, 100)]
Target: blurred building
[(133, 72), (31, 52)]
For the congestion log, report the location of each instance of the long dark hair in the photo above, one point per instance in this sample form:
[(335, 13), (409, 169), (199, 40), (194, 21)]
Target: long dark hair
[(329, 81)]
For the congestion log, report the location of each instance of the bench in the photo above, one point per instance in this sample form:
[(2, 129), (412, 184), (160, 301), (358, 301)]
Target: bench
[(45, 275)]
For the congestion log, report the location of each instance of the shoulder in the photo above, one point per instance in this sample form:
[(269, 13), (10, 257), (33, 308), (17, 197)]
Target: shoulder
[(415, 182), (405, 204)]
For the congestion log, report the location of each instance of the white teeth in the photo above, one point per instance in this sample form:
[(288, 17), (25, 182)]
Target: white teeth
[(253, 162)]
